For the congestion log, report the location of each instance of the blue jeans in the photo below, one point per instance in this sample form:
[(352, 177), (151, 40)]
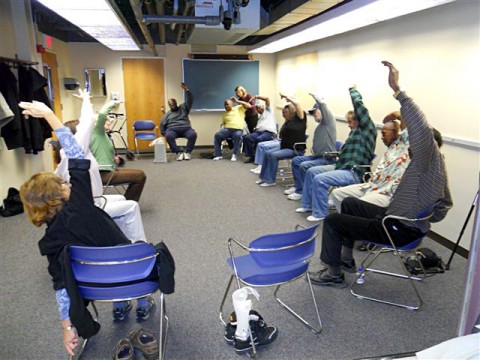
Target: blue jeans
[(251, 140), (223, 134), (263, 147), (187, 132), (300, 165), (320, 185), (270, 163)]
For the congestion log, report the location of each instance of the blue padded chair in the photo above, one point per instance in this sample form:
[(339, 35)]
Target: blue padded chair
[(97, 270), (143, 130), (274, 260), (379, 249)]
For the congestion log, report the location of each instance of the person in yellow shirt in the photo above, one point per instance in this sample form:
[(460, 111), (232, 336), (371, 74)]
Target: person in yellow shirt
[(233, 122)]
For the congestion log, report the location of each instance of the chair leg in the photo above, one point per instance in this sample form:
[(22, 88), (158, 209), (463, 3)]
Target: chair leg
[(291, 311), (163, 337), (85, 341), (224, 298), (136, 148), (405, 276)]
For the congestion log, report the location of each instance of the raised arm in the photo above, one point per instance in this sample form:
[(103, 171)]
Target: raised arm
[(102, 115), (40, 110), (87, 119), (188, 96), (263, 98), (245, 104), (298, 108), (361, 112)]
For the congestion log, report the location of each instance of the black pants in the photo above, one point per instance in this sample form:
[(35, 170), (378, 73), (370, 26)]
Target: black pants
[(251, 122), (360, 220)]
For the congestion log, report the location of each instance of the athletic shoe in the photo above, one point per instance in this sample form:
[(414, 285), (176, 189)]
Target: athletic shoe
[(267, 184), (259, 181), (234, 158), (313, 218), (349, 267), (303, 210), (231, 327), (216, 158), (258, 171), (179, 156), (261, 334), (187, 156), (290, 191), (323, 278), (255, 169), (119, 314), (248, 160), (144, 312), (294, 196)]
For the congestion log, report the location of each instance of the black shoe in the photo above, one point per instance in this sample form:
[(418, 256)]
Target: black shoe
[(119, 314), (231, 327), (248, 160), (144, 312), (323, 278), (261, 333), (349, 267)]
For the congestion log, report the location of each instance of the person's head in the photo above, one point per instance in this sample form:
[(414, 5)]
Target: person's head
[(260, 108), (288, 112), (390, 132), (172, 104), (395, 115), (228, 104), (240, 92), (316, 113), (351, 120), (43, 196)]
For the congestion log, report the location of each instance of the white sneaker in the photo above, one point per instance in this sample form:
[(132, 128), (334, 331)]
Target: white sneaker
[(290, 191), (294, 196), (258, 170), (187, 156), (267, 184), (234, 158), (217, 158), (259, 181), (303, 210), (313, 218), (255, 169), (179, 156)]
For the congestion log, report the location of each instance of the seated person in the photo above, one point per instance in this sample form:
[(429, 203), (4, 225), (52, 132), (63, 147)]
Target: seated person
[(292, 131), (324, 140), (265, 130), (233, 122), (424, 186), (102, 149), (125, 213), (71, 218), (260, 152), (383, 182), (251, 114), (175, 123), (358, 150)]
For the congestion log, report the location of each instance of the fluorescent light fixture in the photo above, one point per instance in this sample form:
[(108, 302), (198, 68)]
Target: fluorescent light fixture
[(97, 19), (353, 15)]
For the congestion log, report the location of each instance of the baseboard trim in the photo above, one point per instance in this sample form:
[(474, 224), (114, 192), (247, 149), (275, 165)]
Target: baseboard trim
[(447, 243)]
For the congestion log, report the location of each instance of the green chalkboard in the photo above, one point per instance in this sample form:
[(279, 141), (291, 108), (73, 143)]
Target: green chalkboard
[(212, 81)]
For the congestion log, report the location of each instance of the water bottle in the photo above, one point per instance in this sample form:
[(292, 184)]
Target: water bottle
[(361, 279), (282, 172)]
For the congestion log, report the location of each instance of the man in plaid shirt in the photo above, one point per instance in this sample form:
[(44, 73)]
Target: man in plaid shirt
[(358, 149)]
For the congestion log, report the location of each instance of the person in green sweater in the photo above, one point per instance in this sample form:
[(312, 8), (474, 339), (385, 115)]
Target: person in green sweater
[(104, 152)]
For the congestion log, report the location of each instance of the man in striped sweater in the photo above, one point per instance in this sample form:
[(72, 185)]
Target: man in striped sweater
[(424, 186)]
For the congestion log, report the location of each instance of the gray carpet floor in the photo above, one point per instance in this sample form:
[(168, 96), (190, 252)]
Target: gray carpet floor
[(195, 207)]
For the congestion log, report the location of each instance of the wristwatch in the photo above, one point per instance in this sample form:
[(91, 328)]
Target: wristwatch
[(69, 328)]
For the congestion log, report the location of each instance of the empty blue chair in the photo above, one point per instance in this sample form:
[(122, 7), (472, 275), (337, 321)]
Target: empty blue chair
[(117, 273), (143, 130), (274, 260), (379, 249)]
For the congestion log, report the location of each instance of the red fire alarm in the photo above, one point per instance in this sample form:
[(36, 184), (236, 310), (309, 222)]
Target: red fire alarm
[(40, 49)]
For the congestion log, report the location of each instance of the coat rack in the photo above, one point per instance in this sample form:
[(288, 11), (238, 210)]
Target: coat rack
[(16, 61)]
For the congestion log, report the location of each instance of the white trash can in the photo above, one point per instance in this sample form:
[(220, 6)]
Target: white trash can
[(160, 150)]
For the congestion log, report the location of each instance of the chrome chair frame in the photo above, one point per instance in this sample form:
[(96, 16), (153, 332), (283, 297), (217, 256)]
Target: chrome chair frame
[(397, 251), (163, 315), (239, 281)]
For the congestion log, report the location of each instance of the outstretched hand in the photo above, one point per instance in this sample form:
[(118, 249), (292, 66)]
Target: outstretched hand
[(393, 76), (184, 86), (83, 94), (35, 108), (234, 99)]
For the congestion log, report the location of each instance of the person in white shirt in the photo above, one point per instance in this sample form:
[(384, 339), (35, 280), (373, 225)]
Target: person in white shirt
[(265, 130)]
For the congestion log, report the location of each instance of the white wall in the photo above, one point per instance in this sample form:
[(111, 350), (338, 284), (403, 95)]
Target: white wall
[(438, 56)]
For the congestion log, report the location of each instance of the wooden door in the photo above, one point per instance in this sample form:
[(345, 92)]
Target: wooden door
[(49, 61), (144, 86)]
